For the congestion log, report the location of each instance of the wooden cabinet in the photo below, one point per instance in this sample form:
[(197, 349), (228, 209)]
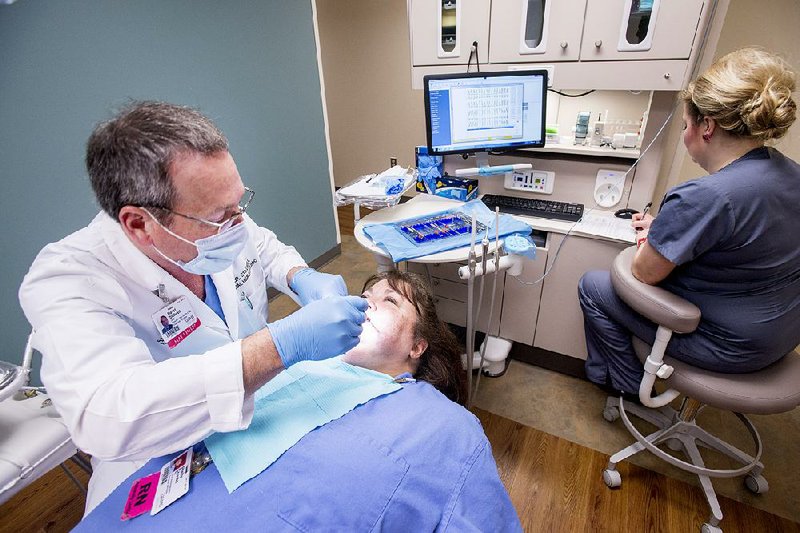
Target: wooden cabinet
[(559, 327), (620, 30), (521, 301), (586, 44), (442, 31), (544, 315), (450, 293), (523, 31)]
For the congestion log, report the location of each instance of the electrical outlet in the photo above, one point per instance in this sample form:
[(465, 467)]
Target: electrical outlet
[(608, 187), (538, 181)]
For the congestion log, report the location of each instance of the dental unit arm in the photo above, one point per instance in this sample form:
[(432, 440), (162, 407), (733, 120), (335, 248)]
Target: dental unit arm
[(517, 248)]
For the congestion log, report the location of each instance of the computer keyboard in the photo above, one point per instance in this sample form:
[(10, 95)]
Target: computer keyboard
[(534, 207)]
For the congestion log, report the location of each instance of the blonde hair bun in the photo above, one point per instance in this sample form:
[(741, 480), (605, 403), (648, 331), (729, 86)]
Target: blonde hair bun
[(748, 92)]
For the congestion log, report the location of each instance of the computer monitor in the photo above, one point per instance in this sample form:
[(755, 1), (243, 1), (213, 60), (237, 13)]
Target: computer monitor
[(485, 111)]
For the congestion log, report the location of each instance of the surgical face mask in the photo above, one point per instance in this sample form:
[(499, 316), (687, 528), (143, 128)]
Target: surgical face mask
[(214, 253)]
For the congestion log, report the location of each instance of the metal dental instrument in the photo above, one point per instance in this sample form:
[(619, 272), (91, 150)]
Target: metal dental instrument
[(470, 289), (484, 254), (471, 332), (494, 292)]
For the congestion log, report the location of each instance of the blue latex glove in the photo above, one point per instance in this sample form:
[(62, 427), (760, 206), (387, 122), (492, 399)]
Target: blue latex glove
[(310, 285), (321, 329)]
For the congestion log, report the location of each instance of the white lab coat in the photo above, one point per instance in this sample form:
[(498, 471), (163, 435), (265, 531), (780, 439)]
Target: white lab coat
[(125, 396)]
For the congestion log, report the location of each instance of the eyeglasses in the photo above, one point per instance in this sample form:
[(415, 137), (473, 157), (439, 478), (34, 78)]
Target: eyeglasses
[(228, 222)]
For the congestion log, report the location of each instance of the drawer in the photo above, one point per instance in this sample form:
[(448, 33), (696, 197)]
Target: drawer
[(455, 312)]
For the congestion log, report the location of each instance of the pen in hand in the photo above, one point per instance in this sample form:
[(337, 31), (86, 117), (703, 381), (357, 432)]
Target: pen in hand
[(638, 219)]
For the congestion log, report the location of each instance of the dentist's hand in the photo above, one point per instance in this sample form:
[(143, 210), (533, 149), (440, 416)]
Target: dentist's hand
[(321, 329), (310, 285)]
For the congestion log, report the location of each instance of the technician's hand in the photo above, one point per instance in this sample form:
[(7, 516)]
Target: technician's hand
[(310, 285), (319, 330), (641, 222)]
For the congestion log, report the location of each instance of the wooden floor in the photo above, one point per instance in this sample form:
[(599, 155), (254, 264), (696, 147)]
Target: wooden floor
[(51, 503), (555, 485), (346, 222)]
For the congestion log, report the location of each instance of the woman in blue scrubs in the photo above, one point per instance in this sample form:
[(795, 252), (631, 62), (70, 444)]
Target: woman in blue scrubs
[(727, 241)]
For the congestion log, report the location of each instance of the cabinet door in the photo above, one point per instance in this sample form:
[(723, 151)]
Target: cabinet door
[(533, 31), (560, 324), (442, 31), (521, 300), (639, 29), (450, 295)]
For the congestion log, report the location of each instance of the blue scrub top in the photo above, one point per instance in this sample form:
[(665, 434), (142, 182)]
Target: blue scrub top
[(734, 237), (409, 461), (212, 297)]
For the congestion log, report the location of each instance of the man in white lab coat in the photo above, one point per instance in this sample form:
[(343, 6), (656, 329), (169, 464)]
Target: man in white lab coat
[(172, 241)]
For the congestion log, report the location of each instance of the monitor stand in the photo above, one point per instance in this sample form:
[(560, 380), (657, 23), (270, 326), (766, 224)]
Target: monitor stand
[(483, 168)]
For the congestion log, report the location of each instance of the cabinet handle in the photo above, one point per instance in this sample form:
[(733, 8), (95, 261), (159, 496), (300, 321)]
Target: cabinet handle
[(598, 43), (667, 75), (564, 44), (436, 283)]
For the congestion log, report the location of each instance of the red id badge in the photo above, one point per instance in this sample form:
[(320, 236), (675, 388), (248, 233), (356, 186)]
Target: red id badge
[(176, 321)]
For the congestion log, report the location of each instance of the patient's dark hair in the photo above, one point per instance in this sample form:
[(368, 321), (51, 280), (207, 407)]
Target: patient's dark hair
[(440, 364)]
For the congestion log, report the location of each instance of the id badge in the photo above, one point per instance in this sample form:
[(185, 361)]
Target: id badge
[(176, 321), (155, 492), (173, 482)]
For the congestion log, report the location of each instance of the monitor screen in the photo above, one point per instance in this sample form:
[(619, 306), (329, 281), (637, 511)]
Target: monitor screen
[(485, 111)]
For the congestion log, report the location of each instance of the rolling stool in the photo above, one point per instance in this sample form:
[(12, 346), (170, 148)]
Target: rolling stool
[(775, 389)]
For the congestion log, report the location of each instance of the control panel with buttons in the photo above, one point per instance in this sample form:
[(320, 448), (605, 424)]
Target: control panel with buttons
[(530, 180)]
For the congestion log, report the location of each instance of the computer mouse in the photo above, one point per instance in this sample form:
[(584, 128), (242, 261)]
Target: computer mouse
[(625, 213)]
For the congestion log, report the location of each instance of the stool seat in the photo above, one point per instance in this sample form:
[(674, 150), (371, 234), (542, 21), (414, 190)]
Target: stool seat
[(771, 390), (774, 389)]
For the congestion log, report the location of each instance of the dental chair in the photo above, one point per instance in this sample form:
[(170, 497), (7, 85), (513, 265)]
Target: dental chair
[(33, 437), (774, 389)]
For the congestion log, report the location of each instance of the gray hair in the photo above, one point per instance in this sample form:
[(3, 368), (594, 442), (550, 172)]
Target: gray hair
[(128, 157)]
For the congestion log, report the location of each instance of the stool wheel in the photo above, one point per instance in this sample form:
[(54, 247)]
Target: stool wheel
[(708, 528), (756, 484), (612, 479), (611, 414)]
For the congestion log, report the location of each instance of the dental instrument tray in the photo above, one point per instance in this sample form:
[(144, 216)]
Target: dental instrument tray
[(441, 231), (438, 227)]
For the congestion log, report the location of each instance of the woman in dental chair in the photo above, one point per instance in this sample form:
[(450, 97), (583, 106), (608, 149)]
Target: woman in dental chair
[(409, 459), (726, 242)]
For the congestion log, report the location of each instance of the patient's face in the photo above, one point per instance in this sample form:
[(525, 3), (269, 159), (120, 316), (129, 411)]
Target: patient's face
[(387, 337)]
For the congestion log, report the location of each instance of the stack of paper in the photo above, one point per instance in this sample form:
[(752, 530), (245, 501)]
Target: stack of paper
[(606, 225)]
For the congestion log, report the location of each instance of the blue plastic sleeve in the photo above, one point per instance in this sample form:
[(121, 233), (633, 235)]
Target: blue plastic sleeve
[(488, 171)]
